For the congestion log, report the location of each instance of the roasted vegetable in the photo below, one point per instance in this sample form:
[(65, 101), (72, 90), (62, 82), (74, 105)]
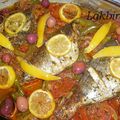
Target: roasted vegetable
[(41, 29), (98, 37)]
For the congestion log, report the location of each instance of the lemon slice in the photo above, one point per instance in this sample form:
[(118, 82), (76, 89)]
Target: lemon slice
[(41, 104), (59, 45), (115, 67), (69, 12), (14, 23), (7, 77)]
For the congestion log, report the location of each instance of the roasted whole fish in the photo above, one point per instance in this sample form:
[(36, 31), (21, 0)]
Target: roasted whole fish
[(96, 85), (42, 59)]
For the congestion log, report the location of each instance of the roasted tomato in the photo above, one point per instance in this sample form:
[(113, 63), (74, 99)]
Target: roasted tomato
[(61, 87), (81, 114), (54, 10), (24, 48), (114, 103), (101, 111), (31, 86), (67, 73)]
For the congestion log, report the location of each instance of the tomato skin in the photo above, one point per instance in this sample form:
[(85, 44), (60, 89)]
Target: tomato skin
[(31, 86), (106, 110), (81, 114), (54, 10), (62, 87), (24, 48), (67, 73), (119, 113), (114, 103), (76, 116), (101, 111)]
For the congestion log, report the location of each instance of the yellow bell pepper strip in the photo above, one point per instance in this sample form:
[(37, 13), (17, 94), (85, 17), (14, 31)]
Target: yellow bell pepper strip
[(35, 72), (4, 42), (41, 29), (98, 37), (112, 51), (11, 77)]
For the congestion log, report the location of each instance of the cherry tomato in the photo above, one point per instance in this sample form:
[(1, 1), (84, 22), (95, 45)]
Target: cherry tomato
[(31, 86), (61, 87)]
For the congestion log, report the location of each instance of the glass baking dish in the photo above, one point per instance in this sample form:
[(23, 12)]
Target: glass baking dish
[(95, 5)]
